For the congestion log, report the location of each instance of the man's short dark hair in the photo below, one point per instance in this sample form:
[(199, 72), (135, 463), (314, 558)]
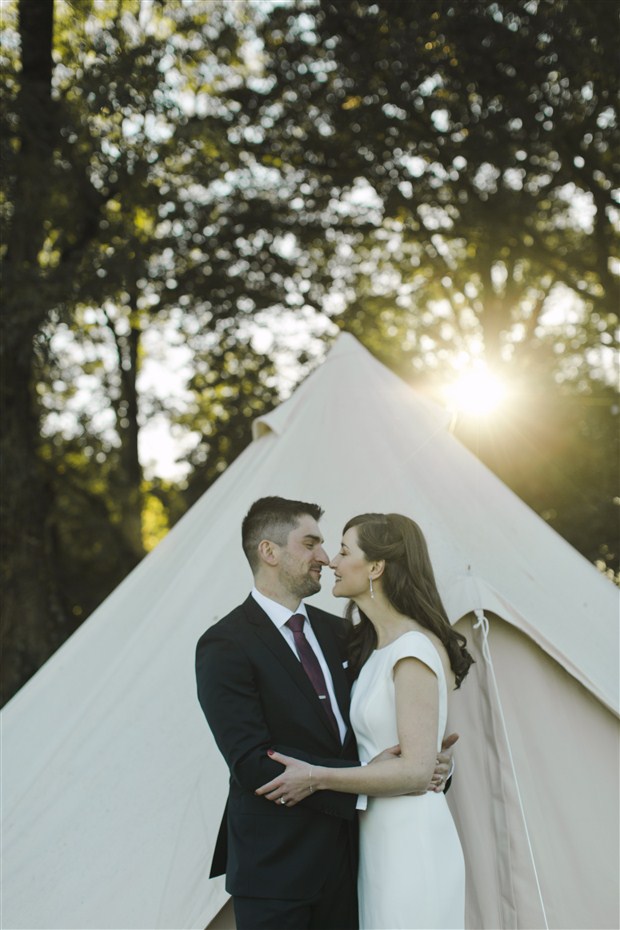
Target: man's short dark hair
[(272, 518)]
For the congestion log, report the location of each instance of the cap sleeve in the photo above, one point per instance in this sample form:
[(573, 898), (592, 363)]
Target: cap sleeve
[(416, 646)]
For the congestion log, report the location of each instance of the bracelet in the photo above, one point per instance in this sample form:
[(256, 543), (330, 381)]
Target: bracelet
[(310, 779)]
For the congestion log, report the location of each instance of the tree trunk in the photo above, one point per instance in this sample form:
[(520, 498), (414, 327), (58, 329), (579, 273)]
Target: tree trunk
[(129, 428), (128, 477), (32, 620)]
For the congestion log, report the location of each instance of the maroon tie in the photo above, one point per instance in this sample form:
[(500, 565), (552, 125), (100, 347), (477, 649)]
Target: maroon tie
[(312, 667)]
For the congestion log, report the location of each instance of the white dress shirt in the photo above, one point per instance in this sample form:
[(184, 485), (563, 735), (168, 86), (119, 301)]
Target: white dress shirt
[(279, 616)]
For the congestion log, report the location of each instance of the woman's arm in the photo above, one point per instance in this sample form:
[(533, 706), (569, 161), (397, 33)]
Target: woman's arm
[(417, 710), (228, 694)]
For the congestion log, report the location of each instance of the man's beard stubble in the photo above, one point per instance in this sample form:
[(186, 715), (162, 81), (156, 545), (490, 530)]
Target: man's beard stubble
[(300, 587)]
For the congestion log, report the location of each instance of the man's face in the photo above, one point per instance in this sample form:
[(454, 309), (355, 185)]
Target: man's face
[(302, 558)]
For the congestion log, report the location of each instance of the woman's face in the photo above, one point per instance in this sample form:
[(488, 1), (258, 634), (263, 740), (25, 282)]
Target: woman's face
[(351, 567)]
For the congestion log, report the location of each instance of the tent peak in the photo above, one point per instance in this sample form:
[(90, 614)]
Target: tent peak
[(364, 368), (273, 422), (346, 342)]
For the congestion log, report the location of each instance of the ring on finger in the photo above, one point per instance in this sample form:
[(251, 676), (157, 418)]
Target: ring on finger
[(281, 801)]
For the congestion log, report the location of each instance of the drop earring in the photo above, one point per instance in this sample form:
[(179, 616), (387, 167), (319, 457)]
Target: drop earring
[(372, 593)]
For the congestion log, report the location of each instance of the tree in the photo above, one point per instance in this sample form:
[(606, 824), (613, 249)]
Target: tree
[(31, 607), (125, 208), (482, 135), (232, 385), (457, 162), (367, 166)]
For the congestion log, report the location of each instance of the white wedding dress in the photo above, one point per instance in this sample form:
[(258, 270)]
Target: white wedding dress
[(411, 871)]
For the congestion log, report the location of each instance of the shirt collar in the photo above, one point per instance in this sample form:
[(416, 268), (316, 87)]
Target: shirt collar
[(277, 613)]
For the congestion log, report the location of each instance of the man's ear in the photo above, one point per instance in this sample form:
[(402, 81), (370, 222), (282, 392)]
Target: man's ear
[(268, 552)]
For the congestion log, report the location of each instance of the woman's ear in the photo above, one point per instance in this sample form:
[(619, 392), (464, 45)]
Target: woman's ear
[(268, 552), (377, 569)]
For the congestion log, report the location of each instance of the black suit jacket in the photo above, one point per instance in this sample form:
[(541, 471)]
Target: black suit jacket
[(255, 696)]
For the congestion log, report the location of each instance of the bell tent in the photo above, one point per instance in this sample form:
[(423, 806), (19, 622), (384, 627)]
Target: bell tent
[(113, 787)]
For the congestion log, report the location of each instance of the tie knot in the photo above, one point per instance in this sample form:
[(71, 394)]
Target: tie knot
[(296, 623)]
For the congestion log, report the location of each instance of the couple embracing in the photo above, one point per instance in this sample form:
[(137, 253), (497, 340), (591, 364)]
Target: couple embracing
[(312, 757)]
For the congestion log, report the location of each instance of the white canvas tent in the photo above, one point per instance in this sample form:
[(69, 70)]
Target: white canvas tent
[(113, 788)]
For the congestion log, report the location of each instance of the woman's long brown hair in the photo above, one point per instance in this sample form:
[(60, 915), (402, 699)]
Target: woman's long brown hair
[(408, 583)]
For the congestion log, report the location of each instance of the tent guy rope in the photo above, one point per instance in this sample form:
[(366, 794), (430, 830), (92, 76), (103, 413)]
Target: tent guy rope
[(483, 625)]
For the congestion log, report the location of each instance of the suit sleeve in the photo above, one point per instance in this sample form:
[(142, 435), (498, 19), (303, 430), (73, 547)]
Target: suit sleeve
[(231, 703)]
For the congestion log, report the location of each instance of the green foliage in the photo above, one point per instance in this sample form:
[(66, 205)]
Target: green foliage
[(231, 386), (558, 447), (436, 177), (457, 162), (124, 207), (479, 135)]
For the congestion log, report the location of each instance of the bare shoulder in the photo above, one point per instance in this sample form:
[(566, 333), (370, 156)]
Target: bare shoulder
[(442, 653)]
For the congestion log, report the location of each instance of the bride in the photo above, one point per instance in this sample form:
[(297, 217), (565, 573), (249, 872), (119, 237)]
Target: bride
[(408, 658)]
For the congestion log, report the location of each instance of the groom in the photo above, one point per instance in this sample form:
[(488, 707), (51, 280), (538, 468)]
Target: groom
[(264, 684)]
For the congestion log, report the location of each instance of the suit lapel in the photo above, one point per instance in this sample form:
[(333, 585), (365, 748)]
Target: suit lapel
[(273, 639)]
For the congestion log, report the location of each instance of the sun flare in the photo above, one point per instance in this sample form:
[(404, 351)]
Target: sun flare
[(477, 393)]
